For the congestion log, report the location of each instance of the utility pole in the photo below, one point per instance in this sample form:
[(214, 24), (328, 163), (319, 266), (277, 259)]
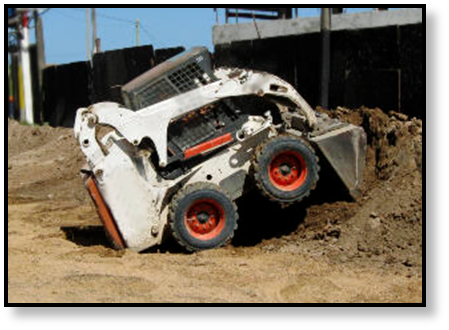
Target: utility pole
[(137, 32), (40, 46), (89, 54), (96, 48), (325, 56)]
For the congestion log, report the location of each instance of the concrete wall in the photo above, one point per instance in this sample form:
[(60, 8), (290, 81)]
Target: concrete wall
[(228, 33)]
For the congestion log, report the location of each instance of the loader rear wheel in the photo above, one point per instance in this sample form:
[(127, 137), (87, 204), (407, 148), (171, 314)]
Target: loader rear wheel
[(202, 217), (286, 169)]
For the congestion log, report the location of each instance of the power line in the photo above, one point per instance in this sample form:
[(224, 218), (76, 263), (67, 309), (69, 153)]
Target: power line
[(42, 13), (117, 19), (110, 17), (142, 26), (144, 29), (152, 37), (68, 16)]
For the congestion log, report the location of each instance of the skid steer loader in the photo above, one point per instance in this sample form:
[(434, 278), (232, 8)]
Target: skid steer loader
[(191, 140)]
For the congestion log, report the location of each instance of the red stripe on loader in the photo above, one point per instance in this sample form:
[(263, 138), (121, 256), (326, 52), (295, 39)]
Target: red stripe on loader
[(207, 146)]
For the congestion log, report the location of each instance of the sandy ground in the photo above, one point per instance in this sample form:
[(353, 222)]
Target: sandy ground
[(327, 249)]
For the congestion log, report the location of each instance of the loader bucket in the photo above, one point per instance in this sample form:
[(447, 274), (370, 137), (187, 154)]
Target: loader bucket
[(345, 149)]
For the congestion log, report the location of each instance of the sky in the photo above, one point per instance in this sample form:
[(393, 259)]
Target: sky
[(65, 29), (161, 27)]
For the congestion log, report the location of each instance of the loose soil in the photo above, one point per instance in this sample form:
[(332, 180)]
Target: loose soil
[(329, 248)]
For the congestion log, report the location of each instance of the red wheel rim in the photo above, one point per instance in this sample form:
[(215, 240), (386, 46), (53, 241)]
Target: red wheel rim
[(287, 170), (205, 219)]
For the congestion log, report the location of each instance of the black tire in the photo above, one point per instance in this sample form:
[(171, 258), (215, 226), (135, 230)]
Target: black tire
[(286, 169), (202, 217)]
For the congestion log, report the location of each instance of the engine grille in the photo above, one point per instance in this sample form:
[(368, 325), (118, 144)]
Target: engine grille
[(185, 72)]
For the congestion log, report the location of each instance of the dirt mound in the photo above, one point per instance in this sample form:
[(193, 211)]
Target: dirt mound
[(385, 225), (43, 163), (394, 141), (389, 219)]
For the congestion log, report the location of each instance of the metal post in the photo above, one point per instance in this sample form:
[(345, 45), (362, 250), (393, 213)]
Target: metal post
[(325, 56)]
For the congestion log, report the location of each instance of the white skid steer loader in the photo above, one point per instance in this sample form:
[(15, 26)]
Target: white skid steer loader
[(192, 140)]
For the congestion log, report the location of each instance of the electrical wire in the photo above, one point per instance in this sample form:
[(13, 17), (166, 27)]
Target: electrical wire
[(151, 36), (107, 16)]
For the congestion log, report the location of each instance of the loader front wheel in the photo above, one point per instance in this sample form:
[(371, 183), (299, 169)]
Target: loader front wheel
[(202, 217), (286, 169)]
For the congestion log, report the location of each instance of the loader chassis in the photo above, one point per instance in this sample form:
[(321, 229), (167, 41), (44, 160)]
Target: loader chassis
[(197, 146)]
